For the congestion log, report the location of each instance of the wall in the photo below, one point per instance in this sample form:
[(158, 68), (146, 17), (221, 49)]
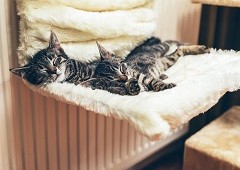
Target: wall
[(41, 133)]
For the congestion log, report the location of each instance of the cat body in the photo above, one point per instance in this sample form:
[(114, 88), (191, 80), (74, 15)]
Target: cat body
[(77, 71), (43, 67), (140, 70), (90, 75), (53, 65), (110, 75), (147, 62)]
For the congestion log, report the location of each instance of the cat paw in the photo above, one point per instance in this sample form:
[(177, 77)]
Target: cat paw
[(85, 84), (206, 50), (160, 86), (171, 85), (133, 87), (163, 76), (202, 49), (121, 92)]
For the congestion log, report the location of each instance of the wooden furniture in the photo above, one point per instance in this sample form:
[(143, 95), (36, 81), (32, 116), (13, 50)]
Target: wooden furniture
[(230, 3), (216, 146)]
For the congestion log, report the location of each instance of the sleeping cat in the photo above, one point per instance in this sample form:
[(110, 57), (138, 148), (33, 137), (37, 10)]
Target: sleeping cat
[(43, 67), (53, 65), (145, 63), (143, 66)]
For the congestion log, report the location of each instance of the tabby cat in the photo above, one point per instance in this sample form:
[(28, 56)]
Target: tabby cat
[(146, 63), (43, 67), (53, 65)]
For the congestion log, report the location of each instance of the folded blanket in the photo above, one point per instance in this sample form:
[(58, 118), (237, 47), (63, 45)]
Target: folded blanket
[(96, 5), (118, 30), (201, 81)]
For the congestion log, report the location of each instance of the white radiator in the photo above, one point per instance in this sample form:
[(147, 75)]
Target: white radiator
[(57, 136)]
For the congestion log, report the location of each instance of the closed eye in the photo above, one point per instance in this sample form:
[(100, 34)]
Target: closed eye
[(50, 57), (41, 67), (123, 68), (57, 61)]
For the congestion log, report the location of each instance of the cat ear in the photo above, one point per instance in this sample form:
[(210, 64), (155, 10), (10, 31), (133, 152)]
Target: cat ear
[(54, 42), (104, 54), (19, 71)]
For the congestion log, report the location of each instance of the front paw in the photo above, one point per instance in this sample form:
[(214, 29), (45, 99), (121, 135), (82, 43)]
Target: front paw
[(202, 49), (171, 85), (133, 87), (160, 86), (85, 84), (163, 76)]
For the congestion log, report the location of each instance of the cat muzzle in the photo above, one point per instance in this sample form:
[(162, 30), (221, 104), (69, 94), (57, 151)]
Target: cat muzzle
[(58, 72), (123, 78)]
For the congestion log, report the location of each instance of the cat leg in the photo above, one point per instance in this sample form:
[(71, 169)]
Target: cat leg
[(105, 84), (185, 50), (133, 87), (156, 84), (117, 90), (159, 85), (163, 77), (193, 49), (94, 83)]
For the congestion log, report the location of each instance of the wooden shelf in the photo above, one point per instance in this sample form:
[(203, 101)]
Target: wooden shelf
[(230, 3)]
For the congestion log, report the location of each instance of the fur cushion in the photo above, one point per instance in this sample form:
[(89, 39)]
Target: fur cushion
[(201, 81)]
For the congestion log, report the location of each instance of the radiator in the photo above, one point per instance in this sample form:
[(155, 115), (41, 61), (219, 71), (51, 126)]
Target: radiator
[(57, 136)]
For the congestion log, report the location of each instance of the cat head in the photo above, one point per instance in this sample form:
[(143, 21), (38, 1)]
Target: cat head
[(111, 66), (44, 66)]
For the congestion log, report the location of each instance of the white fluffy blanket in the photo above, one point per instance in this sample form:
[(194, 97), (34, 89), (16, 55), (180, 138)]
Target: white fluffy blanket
[(78, 26), (201, 81), (120, 25)]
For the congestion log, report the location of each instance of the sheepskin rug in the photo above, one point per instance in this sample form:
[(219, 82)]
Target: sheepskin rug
[(201, 81), (119, 26)]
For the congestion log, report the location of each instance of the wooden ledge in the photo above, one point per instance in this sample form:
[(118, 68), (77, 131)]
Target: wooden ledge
[(216, 146), (229, 3)]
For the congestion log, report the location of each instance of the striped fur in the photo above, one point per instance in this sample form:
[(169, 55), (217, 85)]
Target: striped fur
[(43, 67), (77, 72), (147, 62), (141, 70)]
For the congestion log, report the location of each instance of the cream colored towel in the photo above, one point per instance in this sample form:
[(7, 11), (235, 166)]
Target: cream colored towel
[(78, 26)]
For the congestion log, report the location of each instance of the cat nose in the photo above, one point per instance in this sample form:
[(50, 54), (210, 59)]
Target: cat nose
[(52, 70)]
